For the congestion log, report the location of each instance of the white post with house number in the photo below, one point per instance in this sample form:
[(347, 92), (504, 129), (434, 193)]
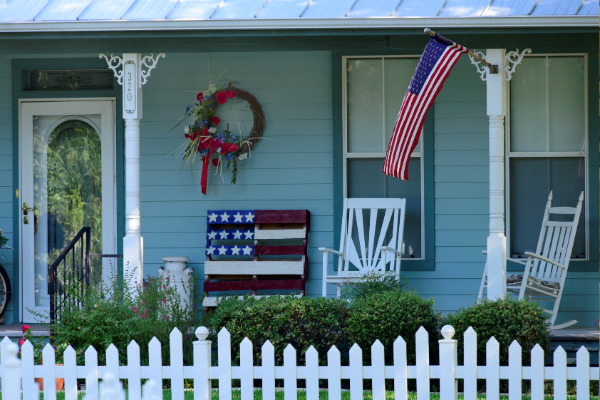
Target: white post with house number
[(132, 76)]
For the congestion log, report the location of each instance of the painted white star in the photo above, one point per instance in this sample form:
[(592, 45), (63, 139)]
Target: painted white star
[(222, 250), (238, 217), (212, 217), (210, 250), (247, 250), (248, 234), (225, 217), (223, 234), (212, 235), (237, 235), (235, 250), (249, 217)]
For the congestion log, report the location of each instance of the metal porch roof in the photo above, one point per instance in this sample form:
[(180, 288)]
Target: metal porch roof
[(60, 15)]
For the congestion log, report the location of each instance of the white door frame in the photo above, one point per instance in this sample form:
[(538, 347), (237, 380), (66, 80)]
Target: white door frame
[(75, 107)]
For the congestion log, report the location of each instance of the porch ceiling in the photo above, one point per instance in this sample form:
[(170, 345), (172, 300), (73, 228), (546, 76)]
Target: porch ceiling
[(102, 15)]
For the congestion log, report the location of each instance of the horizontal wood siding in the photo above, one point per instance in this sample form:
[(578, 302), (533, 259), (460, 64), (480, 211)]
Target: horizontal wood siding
[(291, 168), (6, 170)]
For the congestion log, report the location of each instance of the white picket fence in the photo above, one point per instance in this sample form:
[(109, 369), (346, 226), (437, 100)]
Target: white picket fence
[(448, 372)]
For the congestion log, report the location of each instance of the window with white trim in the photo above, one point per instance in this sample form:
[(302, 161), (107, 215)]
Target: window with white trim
[(546, 147), (373, 93)]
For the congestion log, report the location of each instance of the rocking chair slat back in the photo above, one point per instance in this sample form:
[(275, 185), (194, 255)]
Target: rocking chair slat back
[(556, 242), (361, 243)]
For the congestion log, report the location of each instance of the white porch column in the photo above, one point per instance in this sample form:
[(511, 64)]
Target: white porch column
[(496, 241), (132, 76)]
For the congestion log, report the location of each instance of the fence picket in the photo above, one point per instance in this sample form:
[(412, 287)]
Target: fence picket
[(11, 372), (560, 374), (470, 364), (224, 343), (246, 370), (112, 361), (492, 369), (290, 389), (583, 374), (176, 355), (400, 370), (70, 374), (91, 377), (155, 361), (378, 370), (268, 371), (537, 372), (202, 354), (27, 362), (49, 374), (422, 346), (312, 373), (334, 374), (36, 392), (515, 361), (356, 373), (134, 371)]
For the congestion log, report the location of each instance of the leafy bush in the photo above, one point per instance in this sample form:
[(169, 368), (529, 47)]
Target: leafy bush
[(506, 320), (373, 283), (389, 314), (301, 322), (113, 314)]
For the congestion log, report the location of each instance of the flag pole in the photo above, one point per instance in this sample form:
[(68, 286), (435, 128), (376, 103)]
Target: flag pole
[(493, 68)]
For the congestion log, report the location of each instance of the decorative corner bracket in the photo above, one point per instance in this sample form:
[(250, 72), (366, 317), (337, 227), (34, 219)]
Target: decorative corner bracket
[(114, 67), (149, 62), (514, 58), (482, 69), (116, 63)]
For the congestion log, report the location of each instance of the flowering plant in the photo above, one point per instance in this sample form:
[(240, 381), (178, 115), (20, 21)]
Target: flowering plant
[(209, 140), (37, 343)]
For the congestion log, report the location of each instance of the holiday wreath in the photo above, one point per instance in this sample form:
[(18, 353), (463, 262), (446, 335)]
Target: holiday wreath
[(206, 139)]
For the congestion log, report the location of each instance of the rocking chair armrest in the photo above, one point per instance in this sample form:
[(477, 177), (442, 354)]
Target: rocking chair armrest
[(326, 249), (386, 248), (530, 254)]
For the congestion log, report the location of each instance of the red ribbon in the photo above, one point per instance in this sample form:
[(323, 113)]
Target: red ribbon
[(204, 180)]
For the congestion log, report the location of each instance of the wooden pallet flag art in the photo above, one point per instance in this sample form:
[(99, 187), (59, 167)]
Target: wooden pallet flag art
[(255, 250), (434, 67)]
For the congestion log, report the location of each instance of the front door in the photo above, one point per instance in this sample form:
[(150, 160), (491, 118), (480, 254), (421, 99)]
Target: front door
[(68, 182)]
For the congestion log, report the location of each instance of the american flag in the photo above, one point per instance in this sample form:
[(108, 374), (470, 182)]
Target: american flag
[(435, 64)]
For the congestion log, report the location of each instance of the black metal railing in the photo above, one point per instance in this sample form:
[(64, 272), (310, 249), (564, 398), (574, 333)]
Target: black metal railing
[(72, 270)]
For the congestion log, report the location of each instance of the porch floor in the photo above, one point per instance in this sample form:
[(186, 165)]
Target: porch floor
[(584, 333), (14, 330)]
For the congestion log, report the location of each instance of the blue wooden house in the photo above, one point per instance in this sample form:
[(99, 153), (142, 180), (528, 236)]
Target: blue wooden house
[(330, 77)]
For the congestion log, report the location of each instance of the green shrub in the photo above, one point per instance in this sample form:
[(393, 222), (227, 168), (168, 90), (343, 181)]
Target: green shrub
[(389, 314), (301, 322), (112, 314), (373, 283), (506, 320)]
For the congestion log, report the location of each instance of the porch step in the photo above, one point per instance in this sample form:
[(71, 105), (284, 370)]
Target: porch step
[(571, 340)]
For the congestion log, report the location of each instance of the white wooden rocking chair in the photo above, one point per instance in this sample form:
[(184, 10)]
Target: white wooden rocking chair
[(546, 269), (356, 257)]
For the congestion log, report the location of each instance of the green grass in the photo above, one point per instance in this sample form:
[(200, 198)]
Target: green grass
[(323, 395)]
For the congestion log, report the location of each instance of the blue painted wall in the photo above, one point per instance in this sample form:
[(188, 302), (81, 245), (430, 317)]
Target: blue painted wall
[(292, 168)]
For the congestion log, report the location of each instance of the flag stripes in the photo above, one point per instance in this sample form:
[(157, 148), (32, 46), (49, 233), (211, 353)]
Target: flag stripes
[(415, 105)]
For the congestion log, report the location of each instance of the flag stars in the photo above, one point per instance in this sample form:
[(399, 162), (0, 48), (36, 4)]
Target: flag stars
[(248, 235), (212, 235), (237, 235), (222, 250), (238, 217), (247, 250), (225, 217), (235, 250), (210, 250), (250, 217), (224, 234), (212, 217)]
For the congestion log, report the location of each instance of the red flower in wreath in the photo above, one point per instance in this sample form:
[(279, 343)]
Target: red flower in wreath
[(214, 144), (216, 120), (230, 93), (215, 162), (199, 97), (221, 97), (233, 147), (224, 148)]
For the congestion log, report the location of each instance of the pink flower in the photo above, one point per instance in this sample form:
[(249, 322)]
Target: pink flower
[(143, 303), (21, 342), (166, 317), (25, 328), (230, 94), (164, 287), (149, 279), (142, 317)]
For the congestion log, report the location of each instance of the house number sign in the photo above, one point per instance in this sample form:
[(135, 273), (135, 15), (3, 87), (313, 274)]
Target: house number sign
[(129, 87)]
